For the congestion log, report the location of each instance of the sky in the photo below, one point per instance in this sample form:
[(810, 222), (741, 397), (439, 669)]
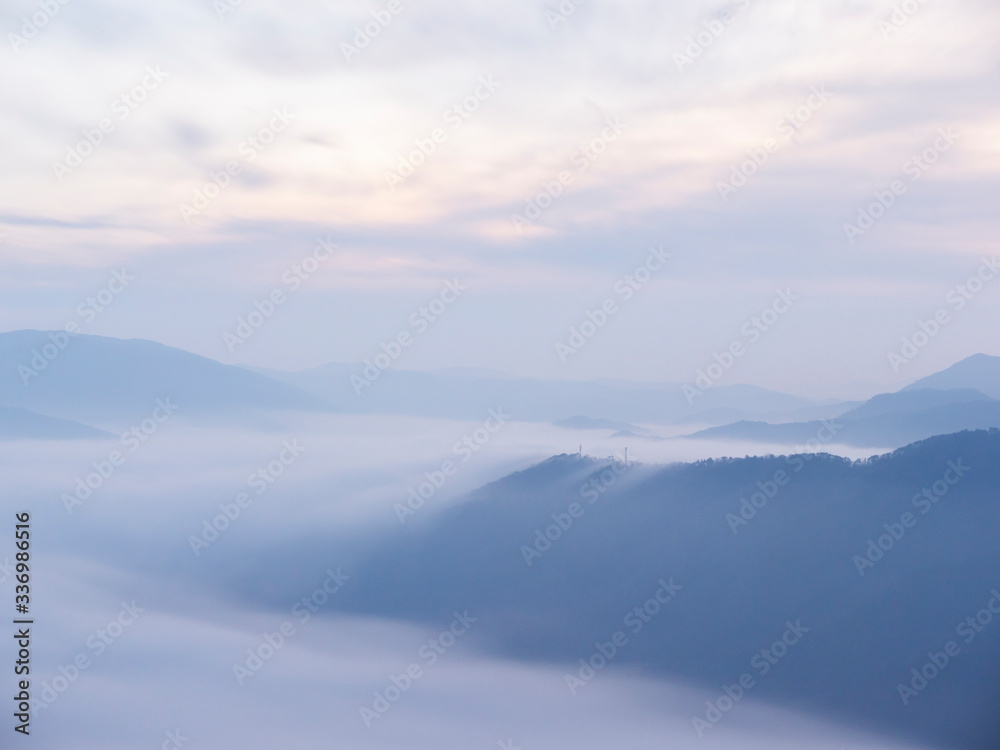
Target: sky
[(530, 154)]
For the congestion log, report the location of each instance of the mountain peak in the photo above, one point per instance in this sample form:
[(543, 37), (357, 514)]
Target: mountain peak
[(980, 371)]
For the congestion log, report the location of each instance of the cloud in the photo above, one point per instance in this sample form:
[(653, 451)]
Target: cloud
[(685, 129)]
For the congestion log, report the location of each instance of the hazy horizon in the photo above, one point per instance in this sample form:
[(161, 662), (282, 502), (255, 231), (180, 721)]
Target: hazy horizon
[(851, 390)]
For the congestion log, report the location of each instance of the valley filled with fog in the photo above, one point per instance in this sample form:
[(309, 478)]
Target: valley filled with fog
[(339, 494)]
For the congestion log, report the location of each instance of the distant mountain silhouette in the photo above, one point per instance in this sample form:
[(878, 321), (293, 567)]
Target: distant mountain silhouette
[(885, 421), (467, 395), (914, 401), (588, 423), (980, 371), (104, 380), (21, 424)]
